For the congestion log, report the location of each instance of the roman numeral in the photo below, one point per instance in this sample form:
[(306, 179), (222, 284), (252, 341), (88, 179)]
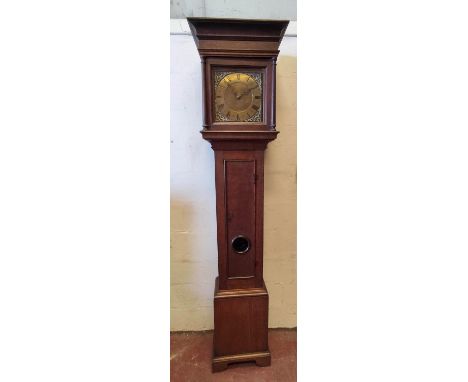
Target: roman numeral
[(220, 106), (258, 97), (238, 76), (255, 107), (228, 114), (237, 117)]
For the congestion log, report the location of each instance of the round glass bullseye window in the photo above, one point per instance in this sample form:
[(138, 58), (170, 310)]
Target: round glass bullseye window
[(240, 244)]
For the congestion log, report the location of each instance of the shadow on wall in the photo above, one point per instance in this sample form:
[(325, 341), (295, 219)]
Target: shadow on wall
[(280, 233)]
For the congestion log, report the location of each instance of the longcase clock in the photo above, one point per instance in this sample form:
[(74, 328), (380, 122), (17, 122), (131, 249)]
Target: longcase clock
[(238, 72)]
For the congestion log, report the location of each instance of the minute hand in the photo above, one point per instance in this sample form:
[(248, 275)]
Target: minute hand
[(248, 90)]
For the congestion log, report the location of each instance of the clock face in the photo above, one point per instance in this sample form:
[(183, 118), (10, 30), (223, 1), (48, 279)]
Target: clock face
[(238, 97)]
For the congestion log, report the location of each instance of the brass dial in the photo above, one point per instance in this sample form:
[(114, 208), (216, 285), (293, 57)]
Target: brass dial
[(238, 97)]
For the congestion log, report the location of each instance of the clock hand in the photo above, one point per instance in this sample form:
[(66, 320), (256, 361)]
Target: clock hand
[(248, 90)]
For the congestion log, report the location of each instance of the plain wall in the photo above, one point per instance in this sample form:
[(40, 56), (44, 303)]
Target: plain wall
[(247, 9), (193, 217)]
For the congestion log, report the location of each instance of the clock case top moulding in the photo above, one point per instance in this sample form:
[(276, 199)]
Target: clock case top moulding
[(230, 45)]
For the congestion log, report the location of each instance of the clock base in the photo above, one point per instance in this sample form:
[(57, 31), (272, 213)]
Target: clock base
[(240, 327), (261, 359)]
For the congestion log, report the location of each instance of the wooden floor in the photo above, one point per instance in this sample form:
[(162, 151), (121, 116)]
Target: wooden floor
[(191, 359)]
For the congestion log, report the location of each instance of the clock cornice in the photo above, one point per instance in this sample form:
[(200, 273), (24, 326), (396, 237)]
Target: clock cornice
[(237, 37)]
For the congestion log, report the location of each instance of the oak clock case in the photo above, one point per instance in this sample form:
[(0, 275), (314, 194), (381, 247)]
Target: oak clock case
[(238, 59)]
